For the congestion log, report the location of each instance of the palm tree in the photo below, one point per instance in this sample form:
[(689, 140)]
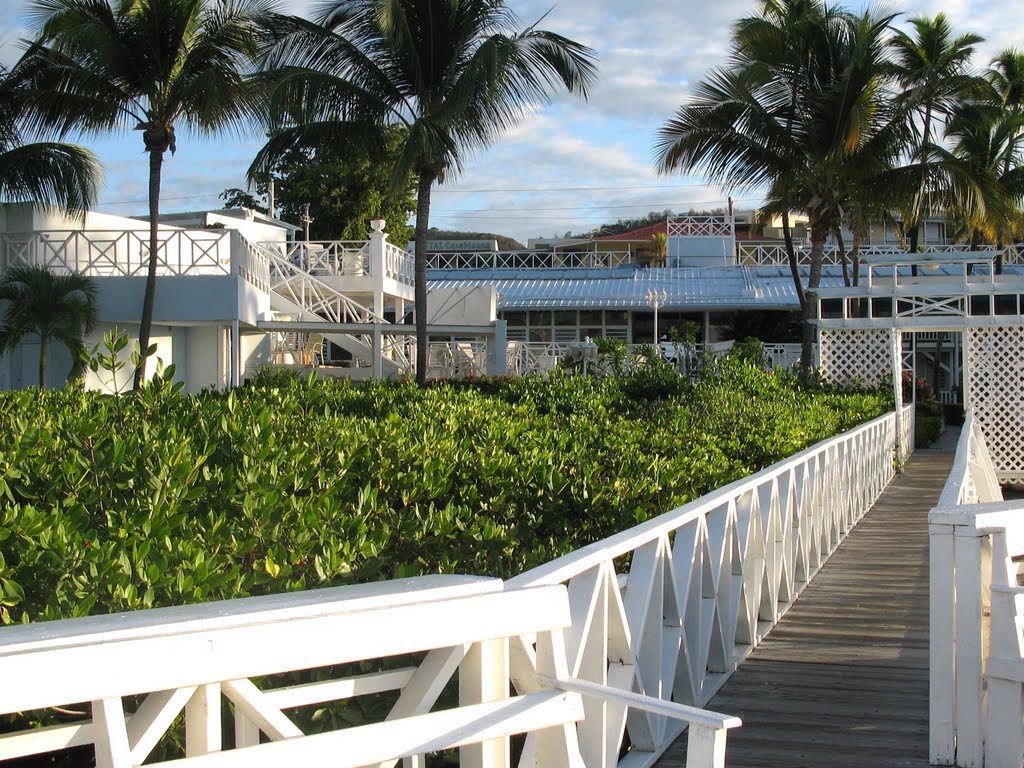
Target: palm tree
[(807, 133), (1006, 76), (984, 187), (454, 74), (145, 65), (48, 172), (933, 68), (53, 307)]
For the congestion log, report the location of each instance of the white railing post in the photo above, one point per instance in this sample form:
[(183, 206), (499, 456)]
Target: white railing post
[(483, 677), (942, 635), (497, 350), (378, 238)]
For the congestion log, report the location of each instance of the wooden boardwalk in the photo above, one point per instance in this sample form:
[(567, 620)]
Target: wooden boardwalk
[(842, 680)]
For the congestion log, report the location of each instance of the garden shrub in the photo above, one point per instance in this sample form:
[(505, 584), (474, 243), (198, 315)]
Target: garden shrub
[(161, 498)]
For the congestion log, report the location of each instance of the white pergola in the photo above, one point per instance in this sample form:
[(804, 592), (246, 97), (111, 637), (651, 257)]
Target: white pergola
[(861, 330)]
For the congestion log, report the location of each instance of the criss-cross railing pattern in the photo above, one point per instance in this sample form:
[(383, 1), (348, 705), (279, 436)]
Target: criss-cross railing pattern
[(712, 225), (529, 260), (775, 253), (120, 253), (708, 580), (327, 258), (307, 297)]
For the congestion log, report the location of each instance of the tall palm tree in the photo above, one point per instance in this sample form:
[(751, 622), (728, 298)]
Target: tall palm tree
[(455, 74), (933, 68), (804, 135), (53, 307), (48, 172), (145, 65), (985, 189), (1006, 76)]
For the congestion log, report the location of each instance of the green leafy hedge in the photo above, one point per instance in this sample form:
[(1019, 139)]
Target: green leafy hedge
[(111, 504)]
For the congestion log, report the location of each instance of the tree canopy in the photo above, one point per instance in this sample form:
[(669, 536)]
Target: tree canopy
[(344, 191)]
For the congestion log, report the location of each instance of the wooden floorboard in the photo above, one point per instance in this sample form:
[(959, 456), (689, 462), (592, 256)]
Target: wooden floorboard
[(842, 681)]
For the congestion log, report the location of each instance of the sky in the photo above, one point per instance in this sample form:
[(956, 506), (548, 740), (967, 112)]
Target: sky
[(569, 166)]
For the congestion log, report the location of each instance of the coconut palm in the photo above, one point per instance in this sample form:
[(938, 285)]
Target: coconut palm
[(455, 74), (53, 307), (985, 186), (804, 134), (47, 172), (145, 65), (933, 68)]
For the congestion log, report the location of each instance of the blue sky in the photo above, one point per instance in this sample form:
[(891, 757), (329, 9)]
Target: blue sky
[(572, 165)]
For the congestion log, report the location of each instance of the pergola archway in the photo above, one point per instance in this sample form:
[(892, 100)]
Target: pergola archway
[(860, 336)]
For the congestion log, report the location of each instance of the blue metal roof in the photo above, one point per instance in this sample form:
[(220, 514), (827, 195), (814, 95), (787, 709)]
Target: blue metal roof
[(760, 287)]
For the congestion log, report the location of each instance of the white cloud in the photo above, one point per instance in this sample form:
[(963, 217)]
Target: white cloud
[(651, 53)]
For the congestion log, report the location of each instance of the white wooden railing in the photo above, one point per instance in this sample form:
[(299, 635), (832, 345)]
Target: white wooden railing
[(775, 253), (541, 356), (707, 581), (327, 258), (655, 618), (960, 547), (456, 359), (529, 260)]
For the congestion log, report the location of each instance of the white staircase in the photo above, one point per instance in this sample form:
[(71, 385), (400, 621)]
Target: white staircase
[(298, 295)]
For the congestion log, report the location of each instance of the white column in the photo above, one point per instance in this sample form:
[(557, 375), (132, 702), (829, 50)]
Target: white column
[(236, 353), (897, 384), (378, 352), (497, 350), (483, 676), (941, 638)]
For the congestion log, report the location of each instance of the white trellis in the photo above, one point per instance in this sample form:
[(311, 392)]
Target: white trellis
[(862, 324), (994, 390), (848, 356)]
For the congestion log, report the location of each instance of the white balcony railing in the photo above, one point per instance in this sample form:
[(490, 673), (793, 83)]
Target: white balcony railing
[(125, 253), (774, 254), (515, 260)]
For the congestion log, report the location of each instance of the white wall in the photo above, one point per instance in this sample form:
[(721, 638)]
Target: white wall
[(475, 305)]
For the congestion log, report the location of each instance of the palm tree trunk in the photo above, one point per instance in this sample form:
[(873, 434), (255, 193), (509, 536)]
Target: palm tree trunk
[(794, 268), (156, 159), (42, 361), (420, 296), (818, 235), (842, 256)]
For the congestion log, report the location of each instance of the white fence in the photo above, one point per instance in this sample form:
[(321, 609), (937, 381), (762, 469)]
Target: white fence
[(706, 582), (641, 624), (775, 253), (529, 260), (976, 654), (542, 356)]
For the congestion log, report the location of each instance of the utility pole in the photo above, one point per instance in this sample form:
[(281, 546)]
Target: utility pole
[(306, 220), (270, 198)]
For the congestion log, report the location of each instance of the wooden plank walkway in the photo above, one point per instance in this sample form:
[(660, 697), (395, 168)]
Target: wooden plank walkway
[(842, 680)]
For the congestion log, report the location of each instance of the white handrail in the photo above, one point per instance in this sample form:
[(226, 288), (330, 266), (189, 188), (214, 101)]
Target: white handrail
[(651, 624), (958, 593)]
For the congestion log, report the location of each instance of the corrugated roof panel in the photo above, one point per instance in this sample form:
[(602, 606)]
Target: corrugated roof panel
[(688, 288)]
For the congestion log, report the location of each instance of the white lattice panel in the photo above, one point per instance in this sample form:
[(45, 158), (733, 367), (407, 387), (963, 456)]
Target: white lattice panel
[(994, 378), (848, 356)]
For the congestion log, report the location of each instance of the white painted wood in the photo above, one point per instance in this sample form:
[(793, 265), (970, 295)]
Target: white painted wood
[(152, 718), (202, 721), (241, 612), (110, 734), (483, 677), (49, 739), (942, 634), (119, 667), (379, 742), (250, 701), (335, 690), (705, 746), (701, 717), (967, 664)]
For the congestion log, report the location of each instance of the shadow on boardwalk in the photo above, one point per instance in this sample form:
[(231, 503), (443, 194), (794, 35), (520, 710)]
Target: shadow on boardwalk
[(842, 680)]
